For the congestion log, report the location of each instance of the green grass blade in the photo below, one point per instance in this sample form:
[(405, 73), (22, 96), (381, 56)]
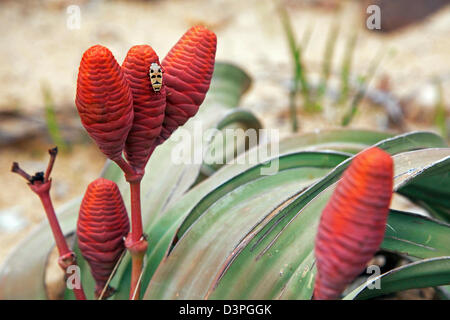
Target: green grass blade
[(50, 119), (440, 118), (328, 59), (346, 68), (364, 83)]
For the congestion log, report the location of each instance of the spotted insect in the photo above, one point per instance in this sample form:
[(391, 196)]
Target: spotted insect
[(155, 73)]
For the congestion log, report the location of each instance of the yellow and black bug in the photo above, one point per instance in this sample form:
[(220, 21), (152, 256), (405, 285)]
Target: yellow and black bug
[(155, 73)]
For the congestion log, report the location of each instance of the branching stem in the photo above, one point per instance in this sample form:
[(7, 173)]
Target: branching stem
[(41, 184)]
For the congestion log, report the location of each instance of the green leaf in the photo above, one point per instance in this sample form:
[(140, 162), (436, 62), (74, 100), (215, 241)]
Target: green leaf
[(420, 274), (351, 140), (246, 198), (413, 141), (229, 84), (285, 162), (431, 189), (22, 272), (440, 119), (327, 60), (279, 246), (416, 236), (245, 129), (346, 68)]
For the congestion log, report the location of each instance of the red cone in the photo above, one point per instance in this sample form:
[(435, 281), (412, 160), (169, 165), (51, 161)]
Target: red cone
[(353, 223), (104, 100), (102, 225), (148, 105), (188, 69)]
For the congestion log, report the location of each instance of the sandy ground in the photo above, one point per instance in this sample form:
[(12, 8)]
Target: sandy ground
[(37, 48)]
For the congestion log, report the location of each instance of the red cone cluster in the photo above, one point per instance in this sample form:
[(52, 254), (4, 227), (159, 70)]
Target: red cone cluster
[(122, 111), (104, 100), (102, 225), (118, 106), (353, 223)]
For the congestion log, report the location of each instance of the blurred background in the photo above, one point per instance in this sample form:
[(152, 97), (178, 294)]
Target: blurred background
[(315, 64)]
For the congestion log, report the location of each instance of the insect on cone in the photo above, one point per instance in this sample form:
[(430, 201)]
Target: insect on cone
[(148, 105), (353, 223), (102, 225), (188, 69), (104, 100)]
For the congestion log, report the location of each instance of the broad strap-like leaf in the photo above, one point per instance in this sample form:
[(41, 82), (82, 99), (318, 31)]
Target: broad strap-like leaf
[(246, 198), (431, 189), (419, 274), (353, 140), (286, 240), (251, 242)]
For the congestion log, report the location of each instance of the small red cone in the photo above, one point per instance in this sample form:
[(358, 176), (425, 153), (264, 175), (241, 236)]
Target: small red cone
[(102, 225), (104, 100), (353, 223)]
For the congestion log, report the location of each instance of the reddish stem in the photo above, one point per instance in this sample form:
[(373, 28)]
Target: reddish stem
[(53, 152), (41, 184), (136, 218), (60, 240), (79, 292), (128, 170), (16, 169), (136, 242), (66, 256), (136, 270)]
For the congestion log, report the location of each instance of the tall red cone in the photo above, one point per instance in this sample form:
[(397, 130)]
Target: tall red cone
[(353, 223), (148, 105), (104, 100), (188, 69), (101, 228)]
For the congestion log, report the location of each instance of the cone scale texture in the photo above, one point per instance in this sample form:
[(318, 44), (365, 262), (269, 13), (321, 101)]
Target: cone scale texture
[(104, 100), (353, 223), (101, 228), (188, 69), (148, 105)]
